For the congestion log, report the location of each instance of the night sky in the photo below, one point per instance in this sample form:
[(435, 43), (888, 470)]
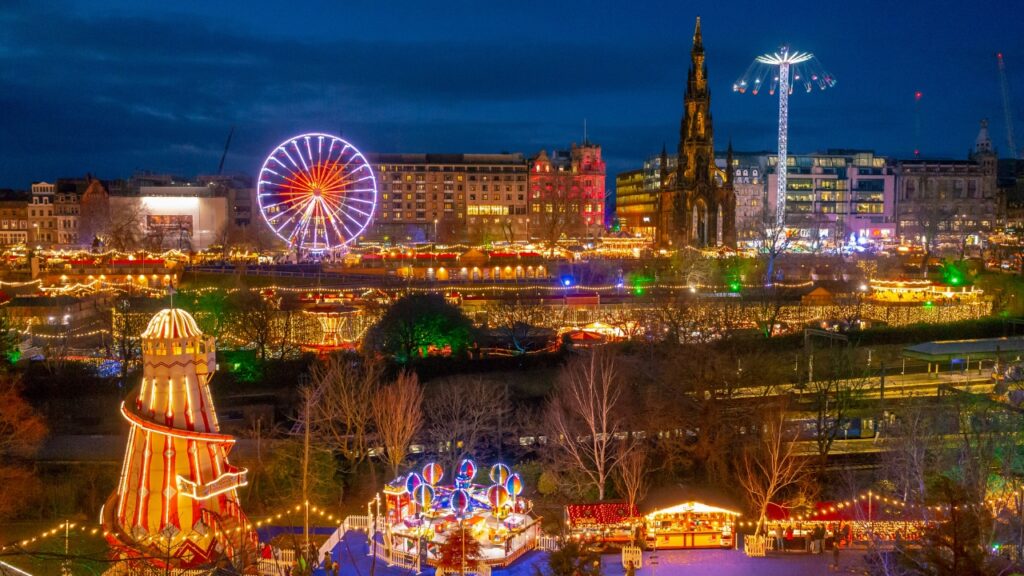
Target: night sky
[(110, 87)]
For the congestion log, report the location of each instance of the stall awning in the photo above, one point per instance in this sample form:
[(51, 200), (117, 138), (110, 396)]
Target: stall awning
[(692, 508)]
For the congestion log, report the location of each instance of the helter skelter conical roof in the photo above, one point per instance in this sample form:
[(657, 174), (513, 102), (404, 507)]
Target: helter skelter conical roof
[(172, 323)]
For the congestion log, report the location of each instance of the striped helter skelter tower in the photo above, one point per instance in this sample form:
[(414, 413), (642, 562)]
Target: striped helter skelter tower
[(176, 502)]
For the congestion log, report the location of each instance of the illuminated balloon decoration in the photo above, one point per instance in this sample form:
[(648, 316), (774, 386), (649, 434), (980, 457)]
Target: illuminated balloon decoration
[(497, 496), (423, 495), (433, 473), (514, 485), (467, 469), (500, 473), (412, 481), (459, 502), (317, 192)]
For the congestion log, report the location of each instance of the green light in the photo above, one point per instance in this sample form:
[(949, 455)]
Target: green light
[(929, 304), (735, 286)]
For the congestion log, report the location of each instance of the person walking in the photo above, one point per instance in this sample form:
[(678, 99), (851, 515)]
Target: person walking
[(835, 557), (328, 563)]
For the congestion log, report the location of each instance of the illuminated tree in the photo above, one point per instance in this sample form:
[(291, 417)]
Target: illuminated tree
[(418, 325), (398, 413)]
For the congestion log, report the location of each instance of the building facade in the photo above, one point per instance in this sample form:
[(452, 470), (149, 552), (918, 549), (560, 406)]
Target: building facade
[(696, 205), (950, 202), (748, 183), (635, 205), (838, 196), (450, 197), (14, 224), (566, 193)]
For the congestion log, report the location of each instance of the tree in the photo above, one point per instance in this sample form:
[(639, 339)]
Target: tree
[(631, 475), (346, 385), (124, 231), (770, 464), (517, 324), (957, 545), (932, 218), (774, 241), (584, 418), (418, 325), (573, 558), (126, 327), (460, 552), (832, 395), (559, 210), (22, 430), (9, 351), (462, 416), (398, 413), (253, 320)]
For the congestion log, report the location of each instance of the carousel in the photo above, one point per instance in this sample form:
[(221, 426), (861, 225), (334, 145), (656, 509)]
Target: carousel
[(420, 513)]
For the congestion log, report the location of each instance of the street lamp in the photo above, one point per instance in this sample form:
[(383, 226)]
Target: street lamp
[(435, 230)]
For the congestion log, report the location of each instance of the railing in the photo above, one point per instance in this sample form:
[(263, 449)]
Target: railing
[(632, 556), (757, 546), (480, 569), (548, 543)]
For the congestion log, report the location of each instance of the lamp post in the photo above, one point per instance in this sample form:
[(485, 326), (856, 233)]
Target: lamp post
[(435, 230)]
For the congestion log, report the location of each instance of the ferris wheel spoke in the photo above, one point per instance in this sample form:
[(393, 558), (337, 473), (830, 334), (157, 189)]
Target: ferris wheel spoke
[(295, 164), (298, 152)]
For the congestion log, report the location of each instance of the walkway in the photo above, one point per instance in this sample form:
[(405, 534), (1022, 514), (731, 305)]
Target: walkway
[(353, 550)]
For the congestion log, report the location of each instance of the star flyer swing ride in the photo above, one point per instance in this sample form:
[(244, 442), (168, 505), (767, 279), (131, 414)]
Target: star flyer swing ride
[(317, 192), (420, 509), (781, 72)]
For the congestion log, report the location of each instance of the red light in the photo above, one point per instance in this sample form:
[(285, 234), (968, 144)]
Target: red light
[(917, 95), (999, 55)]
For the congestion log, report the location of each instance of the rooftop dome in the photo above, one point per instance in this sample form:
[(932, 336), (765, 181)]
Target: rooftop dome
[(172, 323)]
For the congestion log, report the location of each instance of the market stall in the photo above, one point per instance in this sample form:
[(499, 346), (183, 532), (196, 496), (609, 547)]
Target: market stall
[(421, 513), (691, 525), (607, 522)]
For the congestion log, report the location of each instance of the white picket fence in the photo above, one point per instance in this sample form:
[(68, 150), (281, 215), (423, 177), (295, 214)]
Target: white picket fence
[(634, 555), (757, 546), (547, 543), (282, 561), (480, 569)]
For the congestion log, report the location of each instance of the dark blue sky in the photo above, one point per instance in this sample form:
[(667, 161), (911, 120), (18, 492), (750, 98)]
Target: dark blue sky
[(109, 87)]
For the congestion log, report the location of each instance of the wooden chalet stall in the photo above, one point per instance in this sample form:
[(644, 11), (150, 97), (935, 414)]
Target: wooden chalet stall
[(607, 522), (680, 517)]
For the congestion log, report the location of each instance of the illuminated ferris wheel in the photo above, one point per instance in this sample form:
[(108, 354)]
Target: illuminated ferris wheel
[(317, 192)]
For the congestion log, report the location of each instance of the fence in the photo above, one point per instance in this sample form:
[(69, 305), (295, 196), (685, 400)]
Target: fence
[(632, 555), (548, 543), (756, 546), (480, 569)]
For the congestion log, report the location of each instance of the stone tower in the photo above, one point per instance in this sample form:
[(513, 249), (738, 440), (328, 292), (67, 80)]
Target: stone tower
[(697, 205)]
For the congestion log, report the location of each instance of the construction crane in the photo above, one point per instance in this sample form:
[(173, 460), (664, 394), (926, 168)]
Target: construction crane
[(1007, 108), (220, 167)]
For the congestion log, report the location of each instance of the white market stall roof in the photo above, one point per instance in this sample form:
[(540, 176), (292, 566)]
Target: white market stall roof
[(694, 508)]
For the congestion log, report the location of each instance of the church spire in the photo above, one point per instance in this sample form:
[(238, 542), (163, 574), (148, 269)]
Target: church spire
[(698, 41)]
